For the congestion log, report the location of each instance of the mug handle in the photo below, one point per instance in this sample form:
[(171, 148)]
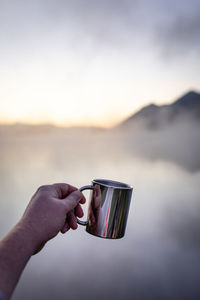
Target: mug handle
[(85, 187)]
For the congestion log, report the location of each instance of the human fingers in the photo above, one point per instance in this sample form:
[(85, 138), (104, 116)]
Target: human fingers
[(72, 200), (83, 200), (65, 227), (72, 221), (63, 189), (79, 211)]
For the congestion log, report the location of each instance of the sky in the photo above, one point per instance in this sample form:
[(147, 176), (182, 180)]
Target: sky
[(92, 62)]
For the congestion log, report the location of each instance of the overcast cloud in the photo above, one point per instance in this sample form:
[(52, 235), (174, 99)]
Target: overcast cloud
[(175, 26)]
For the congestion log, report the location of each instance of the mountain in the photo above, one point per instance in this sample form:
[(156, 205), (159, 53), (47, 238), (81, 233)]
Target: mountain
[(164, 133), (153, 116)]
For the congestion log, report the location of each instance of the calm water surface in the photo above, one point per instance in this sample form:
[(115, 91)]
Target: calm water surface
[(159, 257)]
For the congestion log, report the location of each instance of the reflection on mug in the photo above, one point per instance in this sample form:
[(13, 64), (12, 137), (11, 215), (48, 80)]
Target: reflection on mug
[(108, 208), (95, 210)]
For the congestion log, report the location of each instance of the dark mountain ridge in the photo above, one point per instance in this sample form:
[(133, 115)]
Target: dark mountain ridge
[(189, 100), (153, 116)]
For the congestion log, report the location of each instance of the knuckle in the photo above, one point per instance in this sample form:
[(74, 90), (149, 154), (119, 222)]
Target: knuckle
[(43, 188)]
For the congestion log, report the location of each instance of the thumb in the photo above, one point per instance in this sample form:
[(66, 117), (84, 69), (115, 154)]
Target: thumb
[(72, 200)]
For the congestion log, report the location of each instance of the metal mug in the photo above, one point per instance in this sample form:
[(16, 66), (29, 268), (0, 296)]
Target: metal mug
[(108, 208)]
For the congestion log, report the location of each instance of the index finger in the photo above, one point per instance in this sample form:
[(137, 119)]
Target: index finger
[(83, 200), (64, 189)]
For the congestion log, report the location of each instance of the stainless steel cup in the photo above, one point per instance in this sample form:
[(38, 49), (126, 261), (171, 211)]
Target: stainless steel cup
[(108, 208)]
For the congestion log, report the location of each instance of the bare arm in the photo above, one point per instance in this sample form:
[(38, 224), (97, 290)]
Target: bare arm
[(15, 250), (49, 211)]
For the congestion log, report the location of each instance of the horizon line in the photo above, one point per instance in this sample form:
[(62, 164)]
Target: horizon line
[(10, 122)]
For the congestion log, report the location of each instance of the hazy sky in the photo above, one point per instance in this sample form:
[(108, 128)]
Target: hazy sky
[(95, 61)]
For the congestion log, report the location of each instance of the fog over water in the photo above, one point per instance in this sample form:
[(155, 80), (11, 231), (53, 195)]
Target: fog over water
[(159, 256)]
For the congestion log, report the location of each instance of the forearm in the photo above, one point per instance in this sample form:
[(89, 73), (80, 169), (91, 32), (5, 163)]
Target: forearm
[(15, 250), (44, 218)]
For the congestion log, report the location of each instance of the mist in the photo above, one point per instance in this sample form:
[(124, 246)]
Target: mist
[(178, 143), (159, 256)]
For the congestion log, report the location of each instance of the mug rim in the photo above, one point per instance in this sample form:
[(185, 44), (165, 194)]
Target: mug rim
[(113, 184)]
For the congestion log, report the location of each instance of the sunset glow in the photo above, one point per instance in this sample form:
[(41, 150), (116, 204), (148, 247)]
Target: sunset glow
[(65, 69)]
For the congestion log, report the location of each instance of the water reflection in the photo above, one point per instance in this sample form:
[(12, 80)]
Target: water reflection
[(159, 256)]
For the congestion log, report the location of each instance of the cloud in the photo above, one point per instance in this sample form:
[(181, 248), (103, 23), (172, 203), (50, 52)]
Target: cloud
[(98, 20), (180, 36), (116, 25)]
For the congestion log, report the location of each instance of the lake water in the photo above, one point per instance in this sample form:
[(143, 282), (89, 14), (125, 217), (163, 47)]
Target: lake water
[(159, 257)]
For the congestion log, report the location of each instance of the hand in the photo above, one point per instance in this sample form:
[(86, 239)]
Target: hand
[(51, 209)]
